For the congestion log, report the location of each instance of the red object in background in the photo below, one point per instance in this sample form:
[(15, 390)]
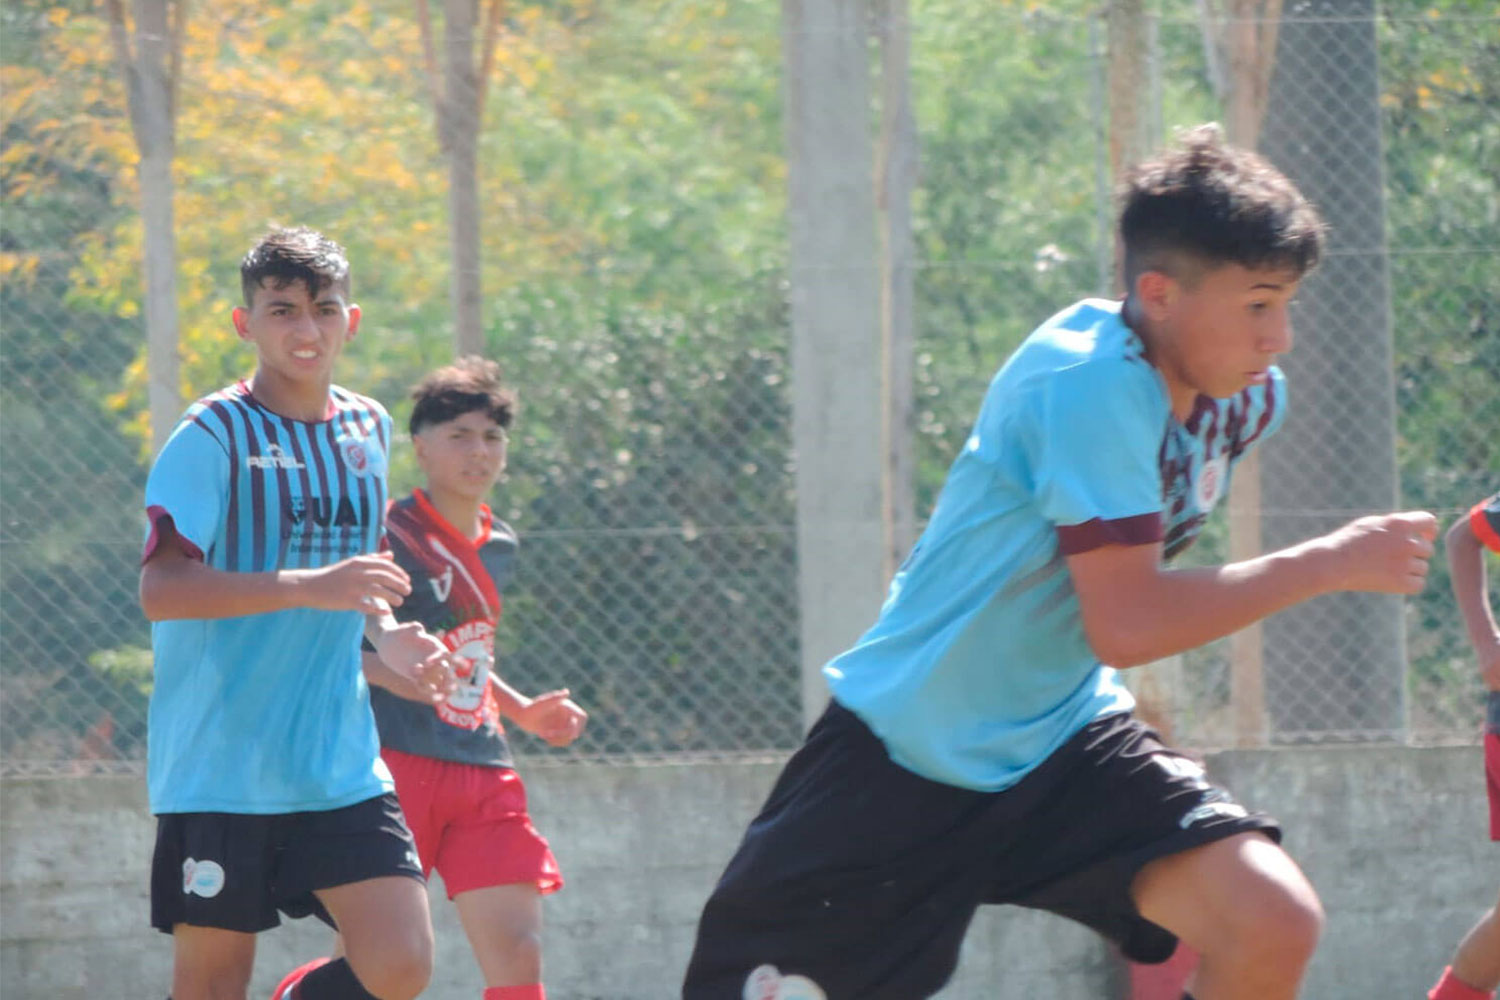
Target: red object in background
[(1165, 981)]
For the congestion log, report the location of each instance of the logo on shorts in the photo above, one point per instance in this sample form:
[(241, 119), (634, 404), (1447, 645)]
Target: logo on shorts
[(202, 878), (767, 983), (1211, 810)]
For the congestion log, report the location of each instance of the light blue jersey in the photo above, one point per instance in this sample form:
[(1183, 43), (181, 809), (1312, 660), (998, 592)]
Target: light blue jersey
[(266, 713), (977, 668)]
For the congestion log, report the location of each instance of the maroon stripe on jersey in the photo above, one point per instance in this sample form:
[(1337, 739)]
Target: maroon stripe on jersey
[(1267, 411), (156, 514), (371, 499), (1141, 529), (294, 432), (220, 408), (340, 470)]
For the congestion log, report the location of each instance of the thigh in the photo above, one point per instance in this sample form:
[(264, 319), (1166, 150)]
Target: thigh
[(1212, 895), (328, 849), (1112, 800), (856, 876), (209, 963), (488, 838), (380, 916), (213, 870)]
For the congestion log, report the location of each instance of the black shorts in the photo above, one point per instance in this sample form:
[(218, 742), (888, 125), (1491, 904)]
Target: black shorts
[(236, 870), (858, 879)]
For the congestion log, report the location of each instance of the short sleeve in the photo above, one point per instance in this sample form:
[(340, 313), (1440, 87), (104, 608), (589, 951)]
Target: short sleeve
[(1098, 433), (189, 482), (1484, 519)]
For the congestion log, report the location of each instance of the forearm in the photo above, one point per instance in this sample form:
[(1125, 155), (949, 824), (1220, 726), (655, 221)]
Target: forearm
[(190, 589), (510, 701), (378, 674), (1182, 609)]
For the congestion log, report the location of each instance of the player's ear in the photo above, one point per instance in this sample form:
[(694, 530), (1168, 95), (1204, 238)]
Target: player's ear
[(354, 315), (1155, 291), (240, 317)]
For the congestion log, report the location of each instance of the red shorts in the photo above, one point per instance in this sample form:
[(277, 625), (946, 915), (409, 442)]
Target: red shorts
[(1492, 778), (470, 823)]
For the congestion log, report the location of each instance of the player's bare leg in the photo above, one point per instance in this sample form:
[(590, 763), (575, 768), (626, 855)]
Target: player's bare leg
[(1477, 961), (504, 925), (209, 963), (1247, 909), (386, 933)]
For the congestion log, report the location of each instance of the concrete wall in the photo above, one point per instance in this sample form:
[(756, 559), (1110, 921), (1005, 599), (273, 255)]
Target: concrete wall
[(1394, 838)]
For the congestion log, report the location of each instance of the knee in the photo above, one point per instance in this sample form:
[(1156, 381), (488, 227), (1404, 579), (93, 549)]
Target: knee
[(399, 973), (1282, 925), (522, 956)]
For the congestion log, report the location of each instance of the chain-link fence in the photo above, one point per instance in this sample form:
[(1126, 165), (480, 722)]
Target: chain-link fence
[(636, 289)]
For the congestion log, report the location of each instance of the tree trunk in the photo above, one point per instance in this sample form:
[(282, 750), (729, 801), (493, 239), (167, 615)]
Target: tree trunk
[(896, 172), (1335, 667), (460, 129), (835, 295), (148, 71)]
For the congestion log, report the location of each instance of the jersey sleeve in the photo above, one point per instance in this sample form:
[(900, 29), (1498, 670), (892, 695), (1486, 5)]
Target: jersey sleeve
[(189, 482), (1097, 437), (1484, 520)]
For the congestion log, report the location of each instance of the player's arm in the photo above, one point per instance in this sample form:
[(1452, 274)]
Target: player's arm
[(431, 683), (176, 583), (553, 716), (1471, 592), (1136, 610)]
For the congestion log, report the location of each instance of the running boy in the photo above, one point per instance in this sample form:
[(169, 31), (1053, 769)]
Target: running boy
[(454, 771), (979, 747), (1475, 972), (259, 574)]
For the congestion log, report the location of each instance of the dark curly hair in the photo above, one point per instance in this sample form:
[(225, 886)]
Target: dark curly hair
[(470, 383), (287, 255), (1204, 203)]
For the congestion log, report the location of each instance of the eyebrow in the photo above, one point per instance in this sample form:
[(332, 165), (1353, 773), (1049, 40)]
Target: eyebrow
[(1272, 285)]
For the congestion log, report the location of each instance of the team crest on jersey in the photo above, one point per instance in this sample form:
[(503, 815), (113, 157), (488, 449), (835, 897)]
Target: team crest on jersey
[(1209, 486), (361, 456), (767, 983), (472, 644)]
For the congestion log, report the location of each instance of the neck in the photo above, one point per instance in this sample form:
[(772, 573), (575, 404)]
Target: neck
[(305, 402), (1181, 396), (460, 511)]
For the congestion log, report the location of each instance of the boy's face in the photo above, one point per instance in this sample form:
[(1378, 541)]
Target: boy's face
[(1220, 333), (462, 457), (297, 336)]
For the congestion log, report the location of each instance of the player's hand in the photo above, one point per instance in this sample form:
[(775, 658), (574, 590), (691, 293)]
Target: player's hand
[(1385, 553), (421, 658), (366, 583), (553, 717)]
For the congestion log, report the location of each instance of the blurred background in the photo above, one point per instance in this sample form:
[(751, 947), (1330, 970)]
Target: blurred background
[(750, 267)]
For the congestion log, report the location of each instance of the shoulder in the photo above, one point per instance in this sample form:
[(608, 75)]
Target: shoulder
[(348, 400), (214, 418), (1086, 358), (502, 534)]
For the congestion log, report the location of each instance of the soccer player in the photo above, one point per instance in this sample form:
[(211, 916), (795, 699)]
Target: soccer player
[(1475, 972), (454, 771), (979, 747), (260, 573)]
